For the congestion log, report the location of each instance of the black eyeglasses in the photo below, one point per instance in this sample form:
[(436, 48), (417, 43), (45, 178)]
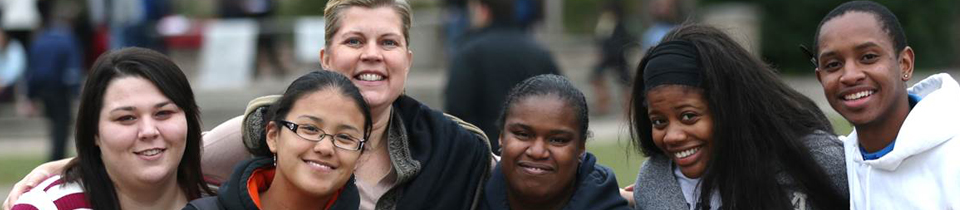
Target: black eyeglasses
[(314, 134)]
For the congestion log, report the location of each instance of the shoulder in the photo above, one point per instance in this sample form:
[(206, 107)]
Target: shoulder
[(418, 118), (598, 188), (53, 193)]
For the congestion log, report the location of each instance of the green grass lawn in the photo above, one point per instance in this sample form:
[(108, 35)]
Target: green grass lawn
[(620, 157), (15, 167)]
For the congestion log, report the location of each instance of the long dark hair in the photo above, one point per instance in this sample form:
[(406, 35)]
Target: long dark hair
[(758, 128), (88, 167), (309, 83)]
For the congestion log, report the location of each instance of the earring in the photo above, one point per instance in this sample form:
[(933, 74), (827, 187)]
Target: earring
[(274, 160), (905, 76)]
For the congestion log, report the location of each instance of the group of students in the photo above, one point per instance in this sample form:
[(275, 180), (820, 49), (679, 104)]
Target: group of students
[(720, 128)]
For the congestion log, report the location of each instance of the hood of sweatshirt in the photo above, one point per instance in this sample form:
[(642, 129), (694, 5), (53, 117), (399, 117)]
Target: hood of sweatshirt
[(923, 128)]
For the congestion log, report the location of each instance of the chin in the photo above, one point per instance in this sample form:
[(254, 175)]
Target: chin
[(156, 174)]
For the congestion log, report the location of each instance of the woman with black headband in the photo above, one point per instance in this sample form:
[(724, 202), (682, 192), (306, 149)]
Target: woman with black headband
[(723, 132)]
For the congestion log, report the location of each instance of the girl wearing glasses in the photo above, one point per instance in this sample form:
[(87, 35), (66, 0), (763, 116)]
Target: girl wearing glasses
[(315, 135)]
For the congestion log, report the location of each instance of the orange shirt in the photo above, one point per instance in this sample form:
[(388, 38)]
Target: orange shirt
[(261, 179)]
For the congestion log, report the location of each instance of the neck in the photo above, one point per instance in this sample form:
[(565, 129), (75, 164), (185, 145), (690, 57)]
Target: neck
[(554, 202), (284, 195), (165, 195), (381, 119), (877, 135)]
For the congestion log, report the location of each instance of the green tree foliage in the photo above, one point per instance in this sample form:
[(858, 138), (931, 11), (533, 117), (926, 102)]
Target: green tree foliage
[(788, 23)]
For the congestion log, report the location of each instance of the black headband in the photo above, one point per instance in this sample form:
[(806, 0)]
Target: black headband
[(672, 63)]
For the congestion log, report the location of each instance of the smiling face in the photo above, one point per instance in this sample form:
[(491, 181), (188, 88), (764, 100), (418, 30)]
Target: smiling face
[(682, 126), (316, 168), (541, 148), (142, 133), (863, 77), (371, 50)]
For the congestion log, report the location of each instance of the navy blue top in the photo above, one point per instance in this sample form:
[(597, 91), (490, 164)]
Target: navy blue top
[(596, 189)]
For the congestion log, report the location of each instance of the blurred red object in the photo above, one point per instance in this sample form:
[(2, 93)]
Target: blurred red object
[(180, 32)]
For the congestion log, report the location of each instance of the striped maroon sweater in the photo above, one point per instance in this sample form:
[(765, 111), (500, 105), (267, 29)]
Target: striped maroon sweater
[(53, 193)]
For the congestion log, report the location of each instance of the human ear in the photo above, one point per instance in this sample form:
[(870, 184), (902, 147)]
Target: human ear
[(906, 62), (273, 133), (324, 59)]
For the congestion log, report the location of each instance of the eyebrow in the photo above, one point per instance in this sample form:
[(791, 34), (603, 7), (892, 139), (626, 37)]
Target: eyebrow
[(685, 106), (132, 108), (859, 47), (315, 119), (866, 45)]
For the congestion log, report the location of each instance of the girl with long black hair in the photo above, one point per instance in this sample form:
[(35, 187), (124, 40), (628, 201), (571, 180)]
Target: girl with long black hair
[(722, 131)]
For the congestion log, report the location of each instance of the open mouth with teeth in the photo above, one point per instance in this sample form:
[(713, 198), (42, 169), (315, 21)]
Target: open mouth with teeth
[(858, 95), (150, 152), (686, 153), (369, 77), (535, 169), (320, 165)]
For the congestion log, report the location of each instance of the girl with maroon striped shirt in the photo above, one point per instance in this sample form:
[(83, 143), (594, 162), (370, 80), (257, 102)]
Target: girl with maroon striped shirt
[(137, 139)]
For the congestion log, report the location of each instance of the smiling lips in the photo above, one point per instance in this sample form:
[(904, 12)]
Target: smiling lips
[(369, 77), (686, 153), (858, 95), (535, 168), (150, 152), (320, 166)]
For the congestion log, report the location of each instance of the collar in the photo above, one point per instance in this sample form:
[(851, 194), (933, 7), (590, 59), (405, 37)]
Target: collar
[(261, 179), (913, 100)]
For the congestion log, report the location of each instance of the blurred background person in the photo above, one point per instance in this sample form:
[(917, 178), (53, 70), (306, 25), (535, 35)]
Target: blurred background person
[(20, 18), (457, 22), (613, 40), (497, 55), (133, 23), (665, 15), (262, 11), (53, 77), (13, 62)]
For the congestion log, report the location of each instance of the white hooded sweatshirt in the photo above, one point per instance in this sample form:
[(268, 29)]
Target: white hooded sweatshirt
[(923, 170)]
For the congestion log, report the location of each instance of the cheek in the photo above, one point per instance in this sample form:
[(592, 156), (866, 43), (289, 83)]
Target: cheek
[(657, 137), (343, 61), (512, 149), (175, 129), (112, 137)]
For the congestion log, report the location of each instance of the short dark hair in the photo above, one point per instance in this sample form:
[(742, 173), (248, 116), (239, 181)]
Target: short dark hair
[(546, 84), (758, 126), (309, 83), (500, 10), (888, 21), (88, 166)]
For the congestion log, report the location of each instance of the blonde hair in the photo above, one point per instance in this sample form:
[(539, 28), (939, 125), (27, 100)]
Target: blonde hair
[(334, 11)]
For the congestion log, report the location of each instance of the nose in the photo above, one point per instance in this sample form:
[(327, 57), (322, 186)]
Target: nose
[(148, 129), (323, 146), (538, 150), (674, 135), (371, 53), (851, 74)]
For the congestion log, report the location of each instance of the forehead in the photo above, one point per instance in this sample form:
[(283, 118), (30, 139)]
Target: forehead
[(131, 91), (549, 111), (676, 95), (328, 103), (378, 20), (851, 29)]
